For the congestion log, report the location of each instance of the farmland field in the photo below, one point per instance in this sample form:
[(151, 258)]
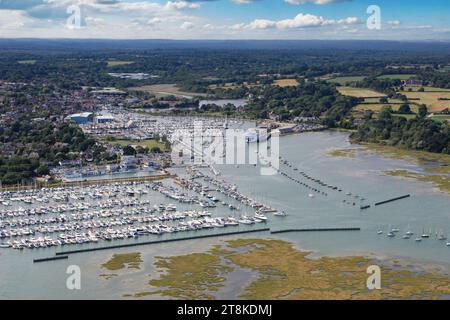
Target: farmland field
[(163, 90), (26, 61), (407, 116), (286, 82), (397, 76), (359, 92), (430, 99), (113, 63), (377, 100), (344, 80), (441, 117), (376, 107), (233, 85), (427, 89)]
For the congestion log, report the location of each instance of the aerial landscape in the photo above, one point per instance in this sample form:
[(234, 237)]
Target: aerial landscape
[(224, 150)]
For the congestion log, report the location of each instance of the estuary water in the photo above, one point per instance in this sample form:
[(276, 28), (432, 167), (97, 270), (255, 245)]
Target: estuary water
[(223, 102), (426, 209)]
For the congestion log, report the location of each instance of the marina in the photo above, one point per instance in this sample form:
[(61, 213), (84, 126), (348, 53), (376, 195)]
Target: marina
[(90, 214), (194, 203)]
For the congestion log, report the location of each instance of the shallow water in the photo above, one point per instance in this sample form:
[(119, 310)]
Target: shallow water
[(223, 102), (426, 209)]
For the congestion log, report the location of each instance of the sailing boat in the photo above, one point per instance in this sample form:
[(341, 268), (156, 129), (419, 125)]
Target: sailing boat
[(425, 235), (441, 236), (409, 232)]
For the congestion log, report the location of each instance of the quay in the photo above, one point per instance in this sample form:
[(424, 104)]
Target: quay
[(87, 182), (392, 200), (316, 230), (162, 241), (60, 257)]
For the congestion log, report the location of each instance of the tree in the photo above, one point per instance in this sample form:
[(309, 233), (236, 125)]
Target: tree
[(42, 170), (155, 150), (129, 151), (386, 112), (422, 111), (404, 109)]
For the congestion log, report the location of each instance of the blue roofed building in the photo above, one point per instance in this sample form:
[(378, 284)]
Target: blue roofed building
[(81, 118)]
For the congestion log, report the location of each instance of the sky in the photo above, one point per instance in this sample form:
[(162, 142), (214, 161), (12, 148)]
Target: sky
[(227, 19)]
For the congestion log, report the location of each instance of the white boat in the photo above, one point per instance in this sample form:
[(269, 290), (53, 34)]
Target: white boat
[(380, 232), (245, 220), (280, 214), (260, 217)]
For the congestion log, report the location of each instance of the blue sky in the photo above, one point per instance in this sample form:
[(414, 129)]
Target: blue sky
[(225, 19)]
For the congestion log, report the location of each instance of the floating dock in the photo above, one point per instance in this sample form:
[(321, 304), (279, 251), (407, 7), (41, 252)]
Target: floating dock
[(392, 200), (162, 241), (316, 230), (59, 257)]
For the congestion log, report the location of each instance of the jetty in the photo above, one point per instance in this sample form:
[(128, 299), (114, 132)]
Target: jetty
[(59, 257), (213, 235), (392, 200), (316, 230)]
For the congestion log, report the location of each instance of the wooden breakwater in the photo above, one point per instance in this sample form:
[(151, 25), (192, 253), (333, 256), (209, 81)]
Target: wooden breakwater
[(392, 200), (59, 257), (316, 230), (163, 241)]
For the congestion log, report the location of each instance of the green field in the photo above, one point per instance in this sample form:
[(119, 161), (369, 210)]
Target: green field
[(406, 116), (431, 97), (113, 63), (164, 90), (26, 61), (427, 89), (359, 92), (376, 107), (143, 143), (441, 117), (397, 76), (344, 80)]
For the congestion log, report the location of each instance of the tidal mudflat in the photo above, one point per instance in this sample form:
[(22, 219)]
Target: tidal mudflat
[(278, 270)]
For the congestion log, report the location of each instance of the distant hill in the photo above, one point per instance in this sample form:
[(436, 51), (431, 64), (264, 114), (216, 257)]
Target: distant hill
[(61, 45)]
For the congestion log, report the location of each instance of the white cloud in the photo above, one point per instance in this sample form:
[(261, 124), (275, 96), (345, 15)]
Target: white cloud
[(298, 2), (12, 19), (181, 5), (262, 24), (187, 25), (300, 21), (243, 1), (394, 22)]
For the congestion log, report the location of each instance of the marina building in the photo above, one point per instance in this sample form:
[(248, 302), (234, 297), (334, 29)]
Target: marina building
[(81, 118)]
